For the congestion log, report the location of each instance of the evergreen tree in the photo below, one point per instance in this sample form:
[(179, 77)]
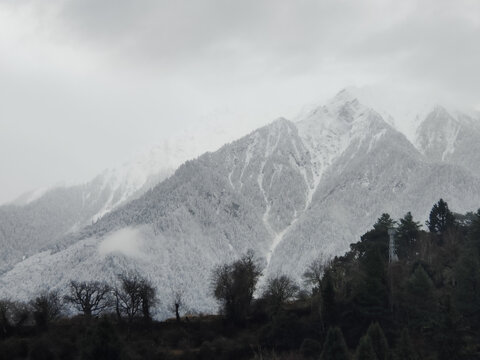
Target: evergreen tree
[(406, 236), (467, 291), (365, 349), (379, 341), (421, 304), (376, 239), (384, 223), (334, 347), (474, 231), (449, 335), (404, 349), (310, 348), (441, 218), (328, 301), (371, 294)]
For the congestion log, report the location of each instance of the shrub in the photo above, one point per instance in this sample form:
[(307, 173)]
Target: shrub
[(311, 348)]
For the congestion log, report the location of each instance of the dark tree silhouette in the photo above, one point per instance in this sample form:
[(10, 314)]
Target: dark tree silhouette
[(6, 325), (148, 298), (46, 307), (314, 273), (328, 310), (420, 300), (405, 349), (176, 303), (278, 291), (365, 349), (406, 236), (467, 291), (91, 298), (233, 286), (133, 296), (379, 341), (334, 347), (441, 218), (384, 223)]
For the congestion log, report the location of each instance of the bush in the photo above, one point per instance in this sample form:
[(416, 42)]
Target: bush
[(206, 351), (285, 332), (13, 348), (311, 348), (102, 342), (41, 351)]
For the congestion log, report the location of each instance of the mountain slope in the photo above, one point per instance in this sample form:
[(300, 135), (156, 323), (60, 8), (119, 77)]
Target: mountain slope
[(39, 219), (290, 191), (212, 209), (451, 137)]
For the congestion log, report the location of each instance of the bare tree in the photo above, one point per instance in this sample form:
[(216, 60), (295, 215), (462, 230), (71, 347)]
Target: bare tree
[(314, 272), (46, 307), (91, 298), (176, 303), (148, 298), (133, 296), (278, 291)]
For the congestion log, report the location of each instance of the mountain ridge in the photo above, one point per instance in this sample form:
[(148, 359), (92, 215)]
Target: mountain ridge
[(289, 190)]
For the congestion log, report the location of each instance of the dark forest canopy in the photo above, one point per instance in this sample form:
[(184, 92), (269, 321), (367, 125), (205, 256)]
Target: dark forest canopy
[(422, 303)]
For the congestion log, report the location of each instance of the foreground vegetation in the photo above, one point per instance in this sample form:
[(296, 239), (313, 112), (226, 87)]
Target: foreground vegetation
[(423, 302)]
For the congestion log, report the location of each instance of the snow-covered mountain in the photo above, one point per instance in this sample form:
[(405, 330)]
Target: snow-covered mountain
[(289, 190), (38, 219)]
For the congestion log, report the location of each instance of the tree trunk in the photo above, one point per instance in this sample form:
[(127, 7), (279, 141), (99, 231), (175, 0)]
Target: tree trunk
[(177, 315)]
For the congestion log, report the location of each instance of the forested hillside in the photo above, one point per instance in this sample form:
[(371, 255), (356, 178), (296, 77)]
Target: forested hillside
[(289, 190), (419, 299), (33, 223)]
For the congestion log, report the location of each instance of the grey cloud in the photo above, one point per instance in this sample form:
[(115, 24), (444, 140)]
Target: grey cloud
[(124, 74), (439, 48)]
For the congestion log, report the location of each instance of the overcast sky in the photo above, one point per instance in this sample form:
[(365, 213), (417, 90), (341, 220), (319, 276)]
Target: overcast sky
[(86, 83)]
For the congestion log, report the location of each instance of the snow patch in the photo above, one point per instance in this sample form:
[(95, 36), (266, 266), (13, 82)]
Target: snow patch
[(248, 156), (451, 136), (375, 139)]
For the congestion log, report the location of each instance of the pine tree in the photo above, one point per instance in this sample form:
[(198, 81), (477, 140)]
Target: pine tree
[(371, 298), (405, 349), (384, 223), (448, 336), (379, 341), (376, 239), (421, 300), (328, 301), (334, 347), (365, 349), (467, 291), (406, 236), (441, 218), (474, 235)]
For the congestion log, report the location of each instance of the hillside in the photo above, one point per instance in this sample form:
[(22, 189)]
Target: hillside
[(290, 191)]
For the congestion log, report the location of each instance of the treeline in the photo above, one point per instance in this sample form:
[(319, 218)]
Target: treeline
[(417, 300), (132, 299)]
